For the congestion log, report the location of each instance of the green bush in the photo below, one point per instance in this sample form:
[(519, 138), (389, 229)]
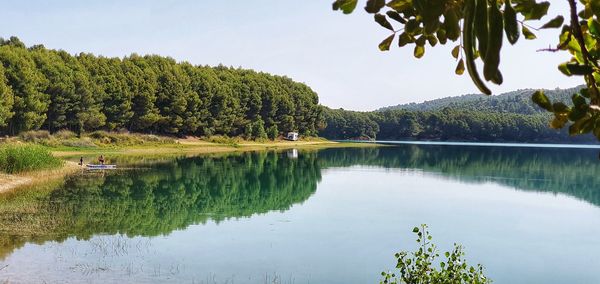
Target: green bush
[(127, 139), (35, 136), (258, 130), (272, 132), (25, 158), (223, 140), (421, 266), (65, 134), (84, 142), (98, 134)]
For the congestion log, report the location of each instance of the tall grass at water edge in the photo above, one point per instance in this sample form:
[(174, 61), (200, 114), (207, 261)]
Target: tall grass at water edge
[(26, 158)]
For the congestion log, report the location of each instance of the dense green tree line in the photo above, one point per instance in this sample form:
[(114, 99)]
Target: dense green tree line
[(342, 124), (53, 90), (511, 102), (505, 118)]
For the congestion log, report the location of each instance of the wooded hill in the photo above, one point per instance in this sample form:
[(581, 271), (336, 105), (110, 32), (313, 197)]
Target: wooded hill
[(52, 90), (510, 117), (512, 102)]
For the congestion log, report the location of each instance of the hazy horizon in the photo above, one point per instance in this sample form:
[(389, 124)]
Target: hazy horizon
[(335, 54)]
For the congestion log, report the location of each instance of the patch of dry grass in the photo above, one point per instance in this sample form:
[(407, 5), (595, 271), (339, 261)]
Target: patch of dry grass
[(9, 182)]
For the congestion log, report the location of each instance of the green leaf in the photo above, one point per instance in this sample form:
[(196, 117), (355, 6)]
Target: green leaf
[(527, 33), (385, 44), (405, 39), (581, 126), (595, 7), (511, 25), (394, 15), (441, 35), (419, 51), (415, 229), (594, 27), (560, 108), (554, 23), (579, 69), (564, 69), (585, 93), (421, 40), (577, 113), (578, 100), (541, 100), (558, 122), (373, 6), (412, 26), (347, 6), (382, 20), (456, 51), (460, 68), (532, 10), (400, 5), (433, 41)]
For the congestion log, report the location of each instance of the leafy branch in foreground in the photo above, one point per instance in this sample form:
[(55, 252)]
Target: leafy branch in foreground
[(478, 28), (420, 267)]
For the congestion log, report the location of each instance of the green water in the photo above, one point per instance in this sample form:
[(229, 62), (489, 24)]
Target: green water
[(529, 215)]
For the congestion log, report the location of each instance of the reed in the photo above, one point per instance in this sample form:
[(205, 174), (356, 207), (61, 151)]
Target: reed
[(26, 158)]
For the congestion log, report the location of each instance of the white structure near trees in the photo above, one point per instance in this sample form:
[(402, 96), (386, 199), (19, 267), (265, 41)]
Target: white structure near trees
[(292, 136)]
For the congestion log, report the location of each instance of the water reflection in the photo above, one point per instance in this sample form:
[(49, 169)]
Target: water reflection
[(171, 195), (573, 172), (160, 198)]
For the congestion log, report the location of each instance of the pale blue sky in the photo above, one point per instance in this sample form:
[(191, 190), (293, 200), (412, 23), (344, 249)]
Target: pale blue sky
[(333, 53)]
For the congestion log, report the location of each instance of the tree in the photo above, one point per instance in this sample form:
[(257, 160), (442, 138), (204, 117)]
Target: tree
[(479, 27), (6, 100), (51, 89), (272, 132), (27, 83)]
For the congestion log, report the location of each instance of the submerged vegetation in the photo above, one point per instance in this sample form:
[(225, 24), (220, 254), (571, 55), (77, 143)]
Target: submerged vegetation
[(24, 158)]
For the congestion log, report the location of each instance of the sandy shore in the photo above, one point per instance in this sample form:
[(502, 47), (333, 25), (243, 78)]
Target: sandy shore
[(12, 182)]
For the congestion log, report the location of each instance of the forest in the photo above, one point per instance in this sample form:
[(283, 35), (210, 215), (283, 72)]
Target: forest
[(45, 89), (53, 90), (510, 117)]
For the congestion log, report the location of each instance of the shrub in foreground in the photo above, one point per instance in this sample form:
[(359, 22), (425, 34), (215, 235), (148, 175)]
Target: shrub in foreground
[(421, 266), (25, 158)]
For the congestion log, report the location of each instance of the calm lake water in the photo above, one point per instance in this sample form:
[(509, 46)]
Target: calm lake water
[(529, 215)]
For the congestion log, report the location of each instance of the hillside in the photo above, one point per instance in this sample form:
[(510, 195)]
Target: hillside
[(509, 117), (512, 102)]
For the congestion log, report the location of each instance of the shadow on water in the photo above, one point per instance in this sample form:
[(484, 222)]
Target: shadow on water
[(174, 194)]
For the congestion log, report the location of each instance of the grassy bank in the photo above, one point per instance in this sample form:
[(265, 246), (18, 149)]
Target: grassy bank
[(38, 156), (26, 158)]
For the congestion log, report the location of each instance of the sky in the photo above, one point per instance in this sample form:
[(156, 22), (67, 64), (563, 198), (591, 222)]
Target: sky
[(335, 54)]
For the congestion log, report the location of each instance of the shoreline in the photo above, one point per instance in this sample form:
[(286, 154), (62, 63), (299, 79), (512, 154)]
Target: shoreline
[(13, 182)]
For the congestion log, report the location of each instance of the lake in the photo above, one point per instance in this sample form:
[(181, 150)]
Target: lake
[(529, 215)]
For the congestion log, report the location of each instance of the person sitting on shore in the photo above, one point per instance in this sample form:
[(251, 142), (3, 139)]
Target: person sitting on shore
[(101, 159)]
